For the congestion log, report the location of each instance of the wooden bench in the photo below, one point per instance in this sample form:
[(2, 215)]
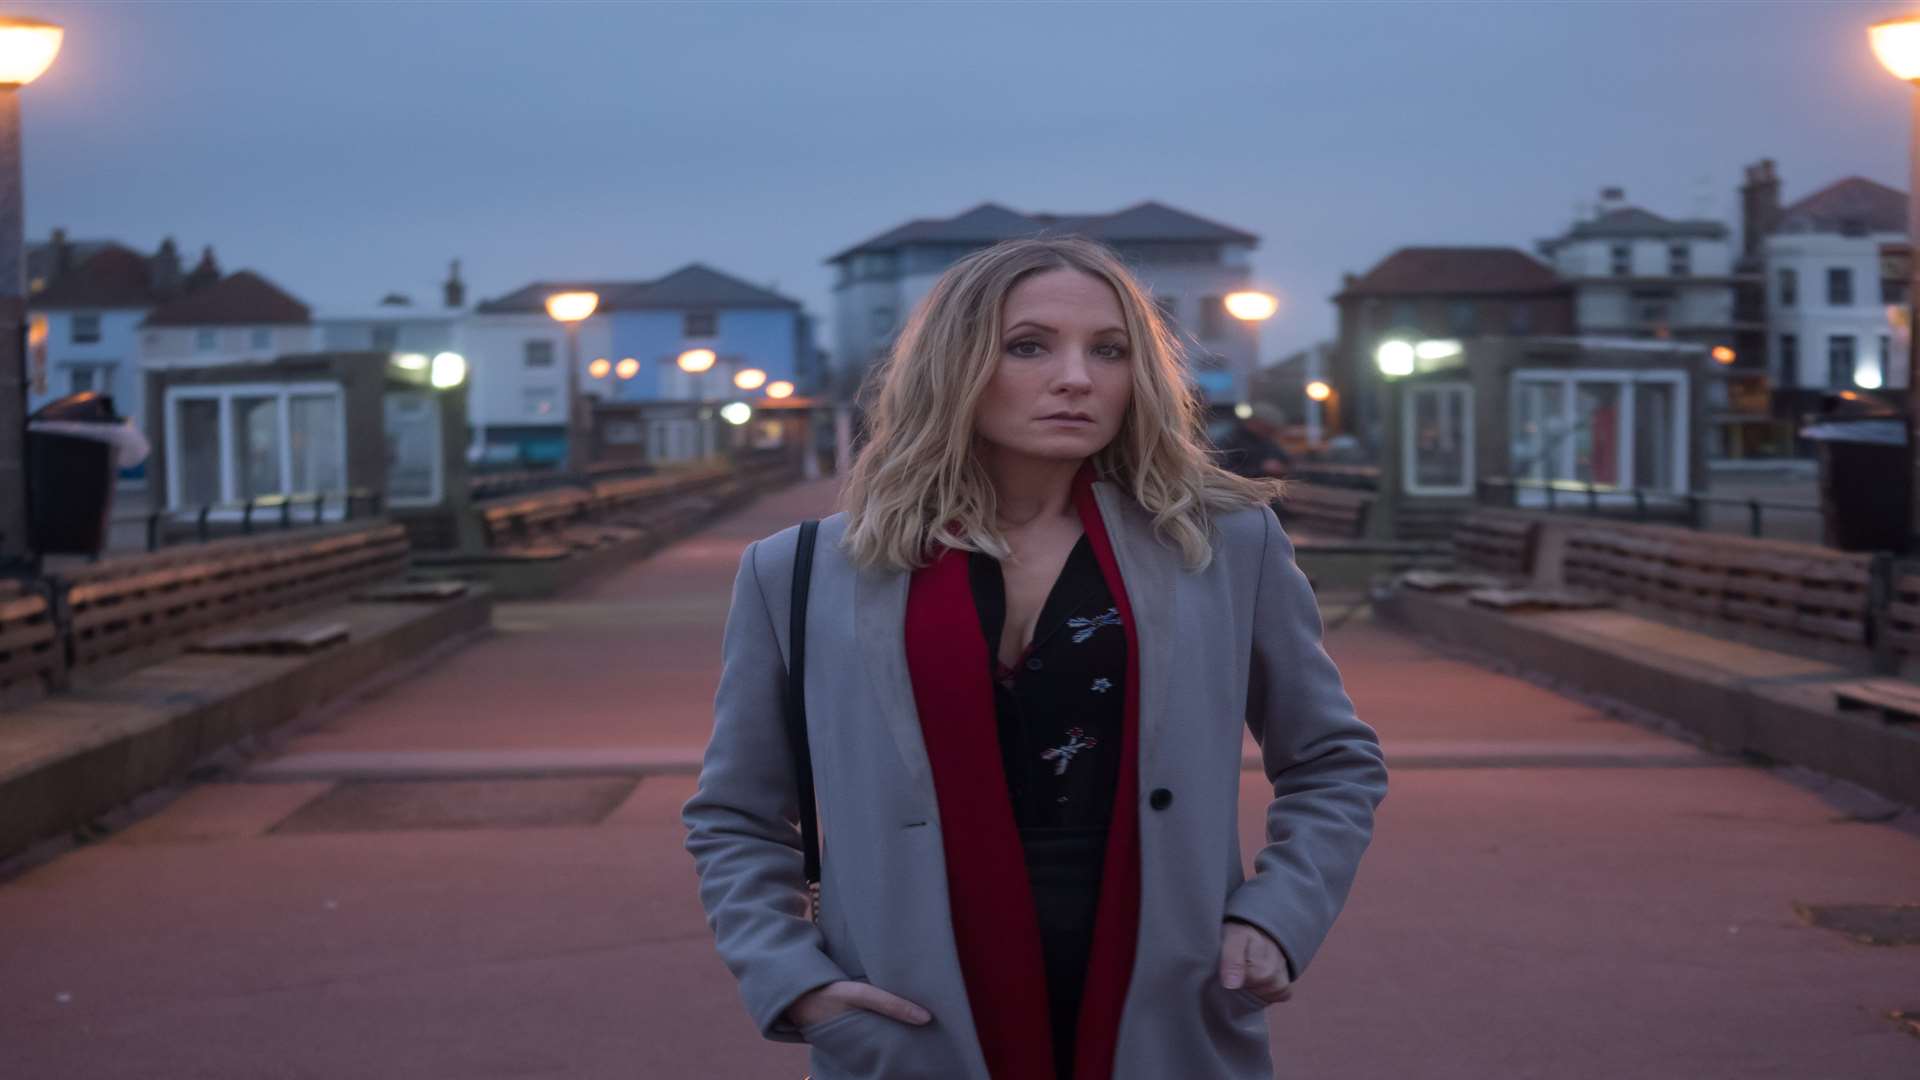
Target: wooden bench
[(133, 606), (1496, 542), (30, 655), (1326, 511), (1784, 589)]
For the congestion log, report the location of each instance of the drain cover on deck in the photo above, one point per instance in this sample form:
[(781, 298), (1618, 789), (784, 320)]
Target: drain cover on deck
[(1868, 924), (388, 805)]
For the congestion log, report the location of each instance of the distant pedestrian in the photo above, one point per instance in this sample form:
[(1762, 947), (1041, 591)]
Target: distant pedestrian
[(1034, 641), (1252, 449)]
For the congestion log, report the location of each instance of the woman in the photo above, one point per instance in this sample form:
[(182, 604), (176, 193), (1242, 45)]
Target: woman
[(1034, 639)]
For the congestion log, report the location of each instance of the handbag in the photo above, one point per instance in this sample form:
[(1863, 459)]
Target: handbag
[(796, 713)]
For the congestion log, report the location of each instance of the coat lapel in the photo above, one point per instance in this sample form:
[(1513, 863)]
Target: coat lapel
[(1148, 568), (879, 612)]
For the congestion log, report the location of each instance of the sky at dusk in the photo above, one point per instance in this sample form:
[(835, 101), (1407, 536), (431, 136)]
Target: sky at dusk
[(348, 150)]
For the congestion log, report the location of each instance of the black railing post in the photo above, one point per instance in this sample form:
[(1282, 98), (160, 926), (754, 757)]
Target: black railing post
[(1553, 502), (320, 508), (246, 518), (1593, 500), (1879, 637), (1639, 504), (1753, 518), (286, 512), (206, 511), (153, 531), (1693, 511)]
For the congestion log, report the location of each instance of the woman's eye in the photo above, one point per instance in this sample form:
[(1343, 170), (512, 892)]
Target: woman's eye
[(1024, 347), (1112, 352)]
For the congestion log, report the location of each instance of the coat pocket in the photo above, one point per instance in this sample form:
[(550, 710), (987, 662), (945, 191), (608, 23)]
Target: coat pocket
[(862, 1045)]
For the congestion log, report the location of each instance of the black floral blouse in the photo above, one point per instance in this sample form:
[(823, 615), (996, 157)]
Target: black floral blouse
[(1061, 708)]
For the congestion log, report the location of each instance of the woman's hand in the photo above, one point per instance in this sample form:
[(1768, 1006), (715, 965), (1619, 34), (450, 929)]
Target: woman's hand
[(1251, 960), (825, 1003)]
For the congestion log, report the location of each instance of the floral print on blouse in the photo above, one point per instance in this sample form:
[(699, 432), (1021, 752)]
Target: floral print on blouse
[(1060, 708)]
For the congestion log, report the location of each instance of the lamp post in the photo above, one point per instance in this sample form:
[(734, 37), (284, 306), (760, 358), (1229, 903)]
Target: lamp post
[(1253, 308), (1897, 43), (697, 362), (27, 49), (570, 309)]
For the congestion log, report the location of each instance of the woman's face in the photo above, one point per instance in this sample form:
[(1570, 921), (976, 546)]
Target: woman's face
[(1065, 372)]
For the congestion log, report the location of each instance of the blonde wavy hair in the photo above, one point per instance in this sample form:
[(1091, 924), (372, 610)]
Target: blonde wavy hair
[(917, 485)]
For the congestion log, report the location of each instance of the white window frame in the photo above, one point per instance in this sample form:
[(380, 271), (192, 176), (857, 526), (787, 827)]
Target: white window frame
[(437, 483), (1568, 379), (73, 328), (1470, 477), (224, 394)]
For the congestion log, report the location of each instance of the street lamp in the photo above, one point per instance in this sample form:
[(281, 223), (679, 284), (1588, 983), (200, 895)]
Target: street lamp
[(570, 309), (749, 378), (27, 49), (600, 368), (1253, 308), (1897, 43), (779, 388)]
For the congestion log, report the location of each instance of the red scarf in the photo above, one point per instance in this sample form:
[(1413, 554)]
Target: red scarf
[(995, 928)]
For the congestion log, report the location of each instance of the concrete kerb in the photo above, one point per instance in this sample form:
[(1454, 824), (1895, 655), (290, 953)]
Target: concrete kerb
[(73, 758), (1792, 722)]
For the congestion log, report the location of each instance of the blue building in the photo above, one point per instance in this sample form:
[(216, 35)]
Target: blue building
[(628, 353)]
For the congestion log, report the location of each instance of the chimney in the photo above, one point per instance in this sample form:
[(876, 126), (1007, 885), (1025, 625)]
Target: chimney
[(206, 273), (62, 255), (456, 290), (396, 299), (1611, 199), (166, 268), (1759, 206)]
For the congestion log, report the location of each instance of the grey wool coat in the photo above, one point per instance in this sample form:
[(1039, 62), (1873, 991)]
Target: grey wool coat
[(1236, 646)]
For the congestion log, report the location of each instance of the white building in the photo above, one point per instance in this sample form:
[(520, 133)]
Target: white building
[(1188, 262), (1835, 319), (1637, 274), (396, 324), (241, 318)]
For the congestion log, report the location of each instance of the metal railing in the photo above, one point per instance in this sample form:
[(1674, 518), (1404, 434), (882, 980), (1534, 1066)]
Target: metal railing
[(288, 511), (1576, 496)]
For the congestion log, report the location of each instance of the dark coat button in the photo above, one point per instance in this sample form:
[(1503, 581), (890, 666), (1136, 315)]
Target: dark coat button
[(1160, 799), (1035, 664)]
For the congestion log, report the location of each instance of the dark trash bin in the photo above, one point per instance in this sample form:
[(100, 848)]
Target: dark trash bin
[(75, 447), (1866, 473)]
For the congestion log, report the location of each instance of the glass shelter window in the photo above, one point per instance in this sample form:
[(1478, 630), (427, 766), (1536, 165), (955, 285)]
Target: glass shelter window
[(1614, 429)]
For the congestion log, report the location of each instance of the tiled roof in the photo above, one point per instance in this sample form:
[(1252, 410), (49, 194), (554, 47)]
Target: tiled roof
[(990, 223), (691, 286), (241, 299), (1455, 271), (113, 277), (1631, 222), (1853, 205)]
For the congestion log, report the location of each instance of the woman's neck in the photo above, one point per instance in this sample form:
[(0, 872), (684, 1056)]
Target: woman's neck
[(1030, 490)]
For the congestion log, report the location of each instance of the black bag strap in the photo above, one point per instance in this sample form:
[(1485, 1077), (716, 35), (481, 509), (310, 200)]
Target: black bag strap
[(797, 707)]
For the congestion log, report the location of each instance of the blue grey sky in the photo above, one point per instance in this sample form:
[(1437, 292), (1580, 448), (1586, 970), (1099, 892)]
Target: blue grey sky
[(347, 150)]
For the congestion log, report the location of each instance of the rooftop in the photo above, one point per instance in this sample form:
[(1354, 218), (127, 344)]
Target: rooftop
[(240, 299), (691, 286), (990, 223), (1853, 206), (1455, 271)]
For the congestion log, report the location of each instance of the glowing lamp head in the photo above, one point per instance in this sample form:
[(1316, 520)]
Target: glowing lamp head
[(1897, 43), (1867, 376), (629, 367), (600, 367), (27, 49), (779, 388), (411, 361), (1318, 390), (449, 369), (571, 307), (695, 361), (750, 378), (736, 412), (1252, 306), (1724, 354), (1394, 358)]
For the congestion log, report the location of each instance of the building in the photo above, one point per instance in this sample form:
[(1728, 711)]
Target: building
[(1637, 274), (1525, 418), (1189, 263), (239, 318), (396, 324), (1442, 293), (1836, 291), (87, 302), (517, 354)]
